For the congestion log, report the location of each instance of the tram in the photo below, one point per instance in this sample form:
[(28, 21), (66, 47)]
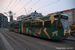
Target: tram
[(51, 27)]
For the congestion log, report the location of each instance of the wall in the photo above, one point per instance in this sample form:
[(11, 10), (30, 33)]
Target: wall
[(3, 22), (74, 15)]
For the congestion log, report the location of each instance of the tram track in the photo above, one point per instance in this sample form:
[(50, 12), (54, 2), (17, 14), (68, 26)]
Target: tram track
[(23, 41), (52, 44), (46, 45), (63, 40), (55, 43)]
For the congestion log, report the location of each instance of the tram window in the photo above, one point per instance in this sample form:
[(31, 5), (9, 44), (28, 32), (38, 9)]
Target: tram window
[(29, 24), (38, 24), (11, 25), (32, 25), (25, 24), (60, 25), (57, 24), (47, 24), (56, 16), (16, 26)]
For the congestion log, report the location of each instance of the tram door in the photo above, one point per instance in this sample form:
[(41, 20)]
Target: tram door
[(47, 29), (24, 29)]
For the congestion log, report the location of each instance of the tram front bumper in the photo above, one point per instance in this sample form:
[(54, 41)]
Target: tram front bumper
[(65, 36)]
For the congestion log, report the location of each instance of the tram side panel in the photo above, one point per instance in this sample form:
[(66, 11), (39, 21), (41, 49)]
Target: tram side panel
[(47, 27), (21, 27), (17, 27)]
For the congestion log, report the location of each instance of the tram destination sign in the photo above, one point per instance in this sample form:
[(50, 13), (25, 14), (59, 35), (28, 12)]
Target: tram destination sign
[(64, 17)]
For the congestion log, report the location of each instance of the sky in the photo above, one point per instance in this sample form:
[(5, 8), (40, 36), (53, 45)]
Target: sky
[(23, 7)]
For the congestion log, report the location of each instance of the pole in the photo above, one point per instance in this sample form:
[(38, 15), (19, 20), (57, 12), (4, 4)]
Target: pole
[(10, 19)]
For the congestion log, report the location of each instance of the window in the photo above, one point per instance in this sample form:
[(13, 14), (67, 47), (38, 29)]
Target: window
[(25, 24), (56, 16), (30, 18), (58, 24), (47, 24), (32, 25), (36, 25), (11, 25), (16, 26)]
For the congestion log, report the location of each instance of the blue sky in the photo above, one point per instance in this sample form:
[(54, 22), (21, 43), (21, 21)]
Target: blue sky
[(59, 5)]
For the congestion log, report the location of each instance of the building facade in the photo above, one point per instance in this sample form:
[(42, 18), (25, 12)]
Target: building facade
[(20, 18), (70, 13), (33, 15), (3, 21)]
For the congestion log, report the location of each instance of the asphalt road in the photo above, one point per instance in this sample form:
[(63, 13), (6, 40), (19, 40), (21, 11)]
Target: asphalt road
[(26, 42)]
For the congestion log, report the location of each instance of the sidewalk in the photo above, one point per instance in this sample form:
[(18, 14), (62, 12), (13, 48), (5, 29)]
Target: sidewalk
[(2, 46), (71, 38)]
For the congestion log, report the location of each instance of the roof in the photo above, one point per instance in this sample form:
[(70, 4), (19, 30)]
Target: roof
[(2, 14)]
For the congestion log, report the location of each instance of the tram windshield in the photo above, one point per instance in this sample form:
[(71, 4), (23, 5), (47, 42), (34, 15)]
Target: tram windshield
[(65, 23)]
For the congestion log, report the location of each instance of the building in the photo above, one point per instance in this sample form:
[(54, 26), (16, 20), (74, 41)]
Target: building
[(33, 15), (3, 21), (20, 18), (36, 15), (70, 13)]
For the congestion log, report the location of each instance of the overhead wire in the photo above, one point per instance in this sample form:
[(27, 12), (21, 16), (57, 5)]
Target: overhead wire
[(47, 5), (40, 7), (31, 6), (25, 11), (13, 4), (8, 5), (34, 3), (24, 6), (16, 4)]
